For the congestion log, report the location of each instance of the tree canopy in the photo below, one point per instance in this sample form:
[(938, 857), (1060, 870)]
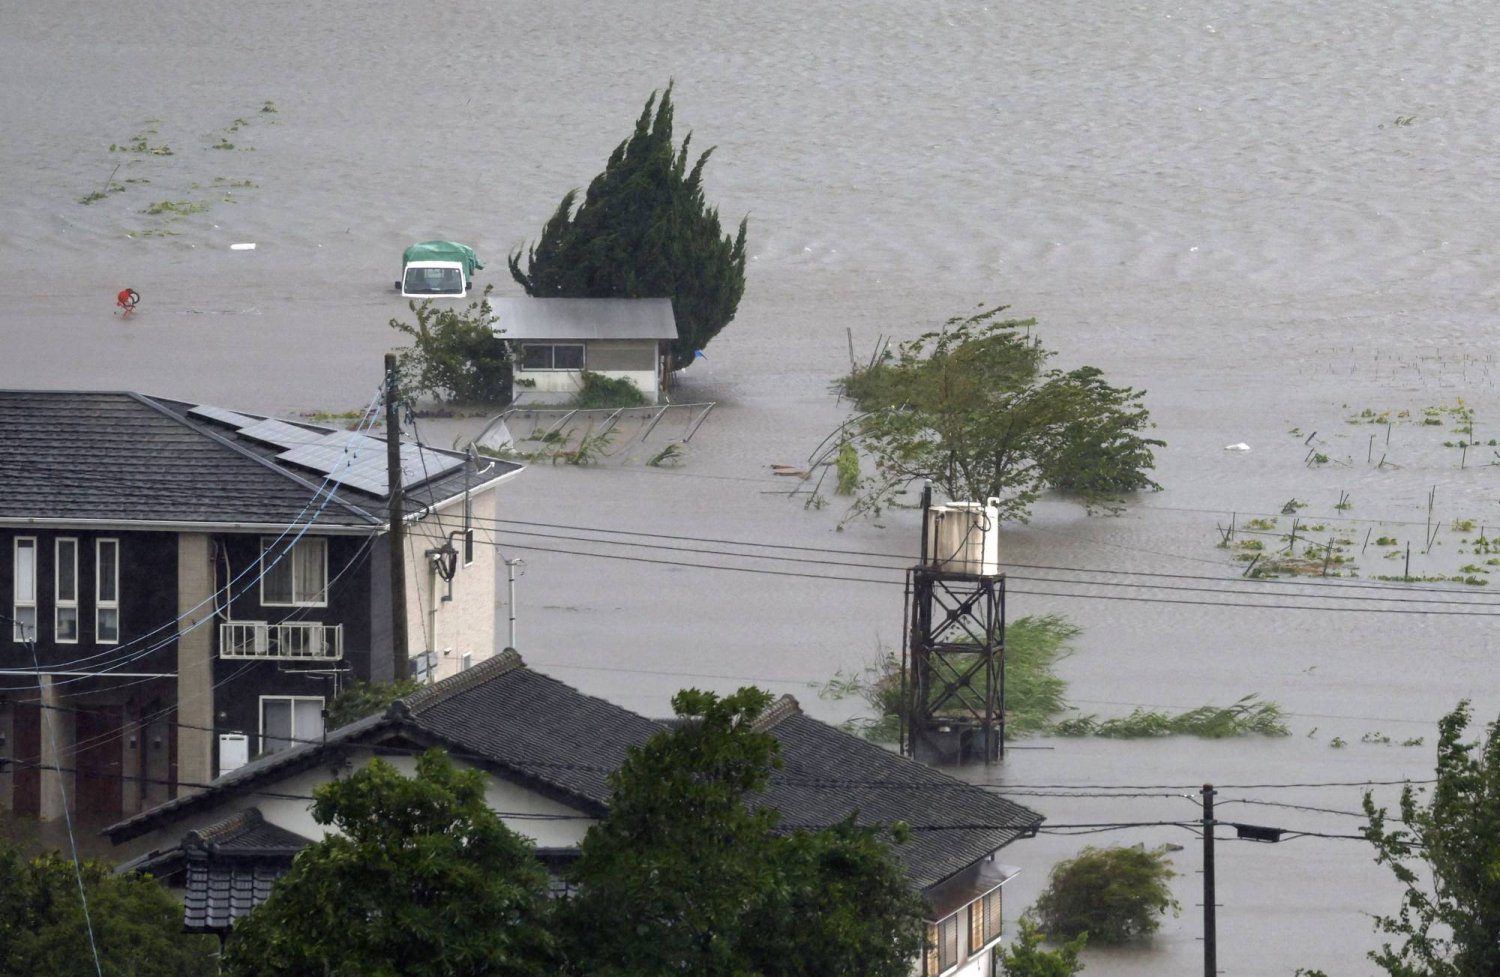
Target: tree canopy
[(455, 354), (685, 875), (1025, 956), (1112, 895), (1445, 851), (425, 880), (644, 230), (136, 924), (974, 407)]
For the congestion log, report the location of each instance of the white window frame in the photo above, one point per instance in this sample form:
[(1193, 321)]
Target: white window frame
[(20, 602), (296, 740), (583, 358), (100, 604), (61, 603), (270, 542)]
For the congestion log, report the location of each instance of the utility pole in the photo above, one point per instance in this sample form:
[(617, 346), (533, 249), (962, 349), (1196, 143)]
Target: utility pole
[(510, 574), (1210, 924), (397, 535)]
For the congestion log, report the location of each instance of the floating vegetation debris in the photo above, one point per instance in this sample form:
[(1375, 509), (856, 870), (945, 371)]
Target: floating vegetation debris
[(1249, 716), (1035, 696), (179, 208)]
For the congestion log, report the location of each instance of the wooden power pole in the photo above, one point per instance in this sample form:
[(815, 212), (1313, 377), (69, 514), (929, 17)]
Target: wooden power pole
[(400, 656)]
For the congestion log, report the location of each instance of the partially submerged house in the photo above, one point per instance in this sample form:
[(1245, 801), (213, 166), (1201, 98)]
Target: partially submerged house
[(184, 587), (548, 751), (553, 341)]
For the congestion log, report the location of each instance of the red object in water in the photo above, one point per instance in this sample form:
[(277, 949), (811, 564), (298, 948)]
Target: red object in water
[(127, 300)]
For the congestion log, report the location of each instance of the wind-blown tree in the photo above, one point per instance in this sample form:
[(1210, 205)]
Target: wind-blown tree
[(1450, 905), (644, 230), (685, 877), (424, 881), (974, 407), (133, 923)]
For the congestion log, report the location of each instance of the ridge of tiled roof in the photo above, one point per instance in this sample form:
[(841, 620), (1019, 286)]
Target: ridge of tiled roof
[(294, 758), (430, 695), (782, 708)]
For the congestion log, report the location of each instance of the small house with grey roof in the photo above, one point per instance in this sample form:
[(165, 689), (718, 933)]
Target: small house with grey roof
[(554, 340), (548, 751), (183, 587)]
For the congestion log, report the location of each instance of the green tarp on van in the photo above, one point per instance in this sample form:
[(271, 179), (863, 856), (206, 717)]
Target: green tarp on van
[(444, 251)]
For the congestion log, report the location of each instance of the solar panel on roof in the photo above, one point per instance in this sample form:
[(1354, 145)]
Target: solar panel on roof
[(281, 434), (222, 416), (360, 463)]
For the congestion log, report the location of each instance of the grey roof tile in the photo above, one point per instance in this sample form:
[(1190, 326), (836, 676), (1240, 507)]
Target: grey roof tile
[(121, 458)]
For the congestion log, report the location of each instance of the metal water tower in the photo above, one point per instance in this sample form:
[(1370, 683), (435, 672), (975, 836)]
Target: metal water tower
[(953, 665)]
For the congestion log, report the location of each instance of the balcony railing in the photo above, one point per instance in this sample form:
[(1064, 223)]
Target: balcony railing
[(290, 641)]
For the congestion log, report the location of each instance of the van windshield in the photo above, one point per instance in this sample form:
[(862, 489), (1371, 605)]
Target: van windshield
[(433, 281)]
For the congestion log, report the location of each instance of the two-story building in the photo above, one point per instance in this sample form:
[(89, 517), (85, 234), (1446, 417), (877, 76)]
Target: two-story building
[(184, 587), (548, 751)]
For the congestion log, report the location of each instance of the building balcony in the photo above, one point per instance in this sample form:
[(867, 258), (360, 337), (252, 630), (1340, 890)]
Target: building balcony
[(289, 641)]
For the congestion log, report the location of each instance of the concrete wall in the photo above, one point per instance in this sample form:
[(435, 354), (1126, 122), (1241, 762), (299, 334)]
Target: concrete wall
[(465, 624), (195, 661)]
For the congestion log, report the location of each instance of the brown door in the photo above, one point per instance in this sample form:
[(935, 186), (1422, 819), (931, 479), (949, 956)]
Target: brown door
[(26, 775), (99, 733)]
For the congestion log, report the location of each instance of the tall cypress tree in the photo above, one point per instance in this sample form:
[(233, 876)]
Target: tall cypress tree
[(644, 230)]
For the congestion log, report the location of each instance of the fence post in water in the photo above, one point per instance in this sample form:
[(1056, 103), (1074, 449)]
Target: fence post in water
[(1406, 573)]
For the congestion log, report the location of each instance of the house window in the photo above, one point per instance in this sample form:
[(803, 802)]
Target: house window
[(23, 627), (942, 946), (66, 572), (294, 578), (984, 919), (552, 356), (288, 720), (107, 591)]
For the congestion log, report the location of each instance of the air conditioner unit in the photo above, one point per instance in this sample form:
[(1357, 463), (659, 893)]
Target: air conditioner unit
[(964, 537)]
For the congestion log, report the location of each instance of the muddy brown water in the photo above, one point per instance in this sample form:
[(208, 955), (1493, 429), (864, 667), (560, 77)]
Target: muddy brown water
[(1271, 216)]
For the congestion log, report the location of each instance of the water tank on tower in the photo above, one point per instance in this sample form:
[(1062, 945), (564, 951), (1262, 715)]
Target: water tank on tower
[(964, 537)]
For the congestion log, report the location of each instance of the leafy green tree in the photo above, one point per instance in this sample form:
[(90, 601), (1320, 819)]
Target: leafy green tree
[(975, 408), (455, 354), (644, 230), (425, 880), (1026, 957), (366, 699), (685, 876), (1445, 852), (137, 925), (1111, 894)]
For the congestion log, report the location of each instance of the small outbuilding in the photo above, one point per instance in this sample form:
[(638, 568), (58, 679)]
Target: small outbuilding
[(553, 341)]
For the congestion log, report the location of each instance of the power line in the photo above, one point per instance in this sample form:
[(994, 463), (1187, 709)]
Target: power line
[(1322, 582)]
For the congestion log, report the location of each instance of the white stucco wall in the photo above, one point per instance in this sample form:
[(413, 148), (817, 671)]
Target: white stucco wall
[(562, 826), (466, 624)]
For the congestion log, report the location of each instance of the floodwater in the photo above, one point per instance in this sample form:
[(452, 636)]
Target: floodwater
[(1271, 216)]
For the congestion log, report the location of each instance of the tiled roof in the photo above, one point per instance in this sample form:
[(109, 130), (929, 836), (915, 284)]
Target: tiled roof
[(828, 774), (122, 458), (546, 732), (218, 892), (245, 834), (538, 731)]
